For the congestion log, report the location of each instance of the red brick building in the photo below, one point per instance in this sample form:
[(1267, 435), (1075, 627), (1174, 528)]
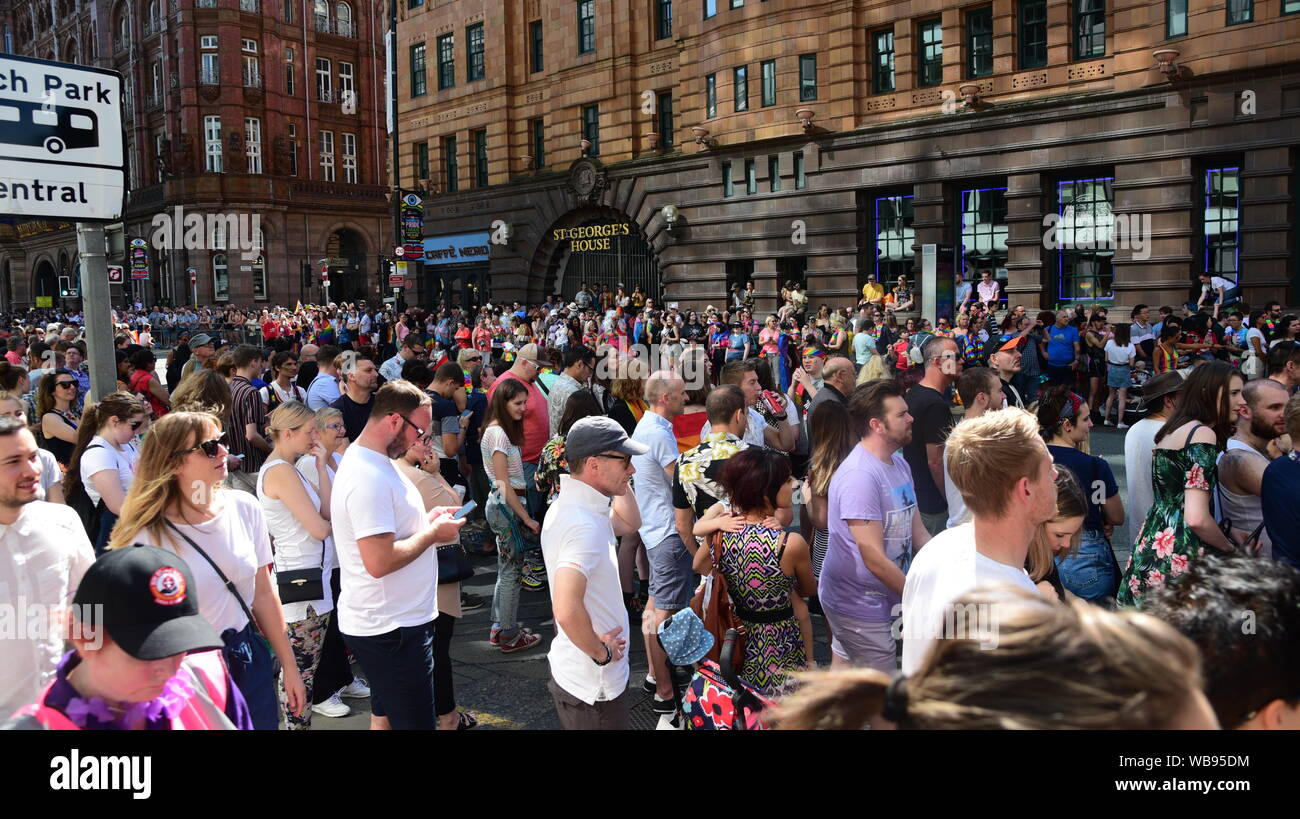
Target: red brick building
[(234, 109)]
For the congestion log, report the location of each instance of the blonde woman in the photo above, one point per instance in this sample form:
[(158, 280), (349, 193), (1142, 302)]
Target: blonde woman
[(103, 464), (420, 465), (297, 516), (177, 502), (1058, 537), (1126, 671), (51, 488)]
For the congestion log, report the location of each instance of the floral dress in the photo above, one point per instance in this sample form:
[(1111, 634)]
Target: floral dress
[(759, 589), (1167, 547), (552, 465)]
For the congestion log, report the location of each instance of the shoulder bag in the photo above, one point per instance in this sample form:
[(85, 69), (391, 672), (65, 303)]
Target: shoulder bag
[(713, 605)]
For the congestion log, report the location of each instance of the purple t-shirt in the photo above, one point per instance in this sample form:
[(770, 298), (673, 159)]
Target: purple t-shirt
[(863, 488)]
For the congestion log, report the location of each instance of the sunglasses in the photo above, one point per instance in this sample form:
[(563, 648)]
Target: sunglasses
[(419, 433), (135, 425), (210, 448), (58, 384), (626, 459)]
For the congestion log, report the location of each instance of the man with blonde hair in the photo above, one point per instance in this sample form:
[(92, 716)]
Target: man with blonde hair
[(672, 580), (1006, 478)]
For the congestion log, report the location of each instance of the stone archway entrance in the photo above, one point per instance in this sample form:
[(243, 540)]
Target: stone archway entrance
[(349, 278), (597, 245), (45, 282)]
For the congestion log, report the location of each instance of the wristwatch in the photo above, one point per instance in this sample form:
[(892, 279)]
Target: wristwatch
[(609, 655)]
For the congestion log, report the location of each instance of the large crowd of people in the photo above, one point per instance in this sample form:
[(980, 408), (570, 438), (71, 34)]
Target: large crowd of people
[(298, 492)]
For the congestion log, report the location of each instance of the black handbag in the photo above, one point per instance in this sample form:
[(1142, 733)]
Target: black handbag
[(453, 565)]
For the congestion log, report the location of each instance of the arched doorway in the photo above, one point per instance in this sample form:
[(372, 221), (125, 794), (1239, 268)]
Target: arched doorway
[(349, 279), (45, 283), (600, 246)]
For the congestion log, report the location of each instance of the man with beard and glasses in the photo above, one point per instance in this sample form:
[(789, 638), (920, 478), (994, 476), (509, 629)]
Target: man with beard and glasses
[(874, 528), (43, 554), (1241, 466), (389, 568)]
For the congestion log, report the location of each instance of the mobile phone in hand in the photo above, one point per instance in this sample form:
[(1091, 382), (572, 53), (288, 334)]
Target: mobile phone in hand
[(465, 510)]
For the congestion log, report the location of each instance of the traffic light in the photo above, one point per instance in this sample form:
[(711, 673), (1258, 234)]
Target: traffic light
[(65, 286)]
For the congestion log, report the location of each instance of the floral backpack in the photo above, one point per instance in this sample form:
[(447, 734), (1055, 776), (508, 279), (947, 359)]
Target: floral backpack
[(710, 703)]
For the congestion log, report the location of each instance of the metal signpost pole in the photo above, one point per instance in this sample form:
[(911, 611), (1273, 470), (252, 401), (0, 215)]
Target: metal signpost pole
[(99, 322)]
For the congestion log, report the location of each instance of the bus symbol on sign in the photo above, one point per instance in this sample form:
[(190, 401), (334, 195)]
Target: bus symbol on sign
[(55, 127)]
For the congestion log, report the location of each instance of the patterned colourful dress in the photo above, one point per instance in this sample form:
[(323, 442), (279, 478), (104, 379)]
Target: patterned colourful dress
[(1166, 547), (751, 564)]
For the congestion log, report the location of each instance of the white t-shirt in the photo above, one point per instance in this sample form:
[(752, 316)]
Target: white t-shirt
[(51, 475), (956, 503), (945, 569), (1255, 332), (105, 458), (1139, 443), (754, 427), (238, 541), (578, 535), (1116, 354), (654, 489), (1217, 283), (370, 497)]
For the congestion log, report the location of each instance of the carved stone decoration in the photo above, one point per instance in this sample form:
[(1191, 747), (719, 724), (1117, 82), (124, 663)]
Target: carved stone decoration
[(587, 179)]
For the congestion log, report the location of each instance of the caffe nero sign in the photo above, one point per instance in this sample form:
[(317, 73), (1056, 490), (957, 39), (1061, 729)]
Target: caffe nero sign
[(590, 237), (465, 248)]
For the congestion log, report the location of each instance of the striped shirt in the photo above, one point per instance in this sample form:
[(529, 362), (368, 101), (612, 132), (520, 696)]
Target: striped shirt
[(246, 408)]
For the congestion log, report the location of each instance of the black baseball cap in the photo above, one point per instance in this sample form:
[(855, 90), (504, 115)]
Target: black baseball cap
[(149, 603)]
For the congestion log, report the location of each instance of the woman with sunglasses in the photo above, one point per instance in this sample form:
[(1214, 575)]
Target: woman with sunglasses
[(56, 396), (177, 502), (103, 462)]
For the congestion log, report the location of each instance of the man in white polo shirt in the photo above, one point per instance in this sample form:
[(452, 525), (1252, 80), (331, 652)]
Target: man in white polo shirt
[(1006, 477), (389, 570), (589, 666)]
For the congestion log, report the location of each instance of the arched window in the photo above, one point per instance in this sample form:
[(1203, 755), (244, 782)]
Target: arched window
[(322, 14), (154, 17), (220, 278), (343, 20)]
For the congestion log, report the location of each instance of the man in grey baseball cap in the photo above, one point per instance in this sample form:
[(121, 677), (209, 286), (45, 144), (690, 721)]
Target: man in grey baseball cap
[(588, 658)]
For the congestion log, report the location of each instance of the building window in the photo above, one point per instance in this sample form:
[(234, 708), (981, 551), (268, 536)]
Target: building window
[(807, 77), (158, 155), (253, 144), (414, 4), (289, 71), (710, 8), (1089, 28), (446, 61), (252, 72), (475, 69), (212, 144), (1240, 11), (882, 61), (711, 96), (1175, 19), (327, 155), (664, 111), (421, 161), (220, 278), (535, 36), (663, 19), (1291, 6), (480, 159), (773, 173), (591, 127), (208, 41), (1033, 33), (1083, 236), (735, 4), (293, 149), (979, 42), (929, 69), (767, 72), (156, 82), (751, 177), (450, 169), (984, 233), (538, 130), (287, 9), (347, 85), (740, 87), (800, 181), (894, 237), (259, 276), (209, 68), (343, 20), (249, 46), (586, 26), (350, 158), (324, 82), (728, 187), (1221, 222)]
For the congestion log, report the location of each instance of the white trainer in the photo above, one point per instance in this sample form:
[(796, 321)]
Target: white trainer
[(357, 689), (332, 707)]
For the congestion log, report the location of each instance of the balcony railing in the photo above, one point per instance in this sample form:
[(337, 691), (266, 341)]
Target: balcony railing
[(254, 6), (323, 24), (325, 94), (152, 101), (209, 76), (152, 27), (252, 79), (345, 28)]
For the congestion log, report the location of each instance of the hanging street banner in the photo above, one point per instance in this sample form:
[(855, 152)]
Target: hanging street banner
[(413, 225), (139, 259), (61, 141)]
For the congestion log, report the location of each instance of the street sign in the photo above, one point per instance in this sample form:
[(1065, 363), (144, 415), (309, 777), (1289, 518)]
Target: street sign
[(61, 143), (194, 274), (116, 275), (396, 281), (399, 251)]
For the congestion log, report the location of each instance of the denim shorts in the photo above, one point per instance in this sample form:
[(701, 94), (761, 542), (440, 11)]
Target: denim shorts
[(672, 578), (1117, 376), (1091, 573)]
